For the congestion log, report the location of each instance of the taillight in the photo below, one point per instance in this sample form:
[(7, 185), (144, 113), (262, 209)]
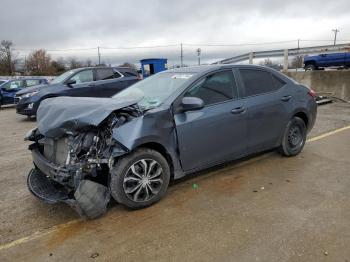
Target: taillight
[(312, 93)]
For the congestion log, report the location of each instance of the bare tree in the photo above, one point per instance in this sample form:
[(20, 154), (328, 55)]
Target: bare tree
[(129, 65), (7, 61), (74, 63), (58, 65), (39, 63), (88, 62), (297, 62)]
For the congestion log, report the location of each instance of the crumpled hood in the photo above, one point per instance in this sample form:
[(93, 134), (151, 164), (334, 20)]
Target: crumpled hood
[(61, 115)]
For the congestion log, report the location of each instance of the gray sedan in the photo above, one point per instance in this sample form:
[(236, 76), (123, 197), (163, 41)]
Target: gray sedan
[(177, 122)]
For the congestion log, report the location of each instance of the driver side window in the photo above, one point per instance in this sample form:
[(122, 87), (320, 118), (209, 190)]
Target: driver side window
[(12, 85), (83, 77), (215, 88)]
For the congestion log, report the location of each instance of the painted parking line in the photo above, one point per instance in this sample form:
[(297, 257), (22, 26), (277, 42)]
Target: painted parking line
[(76, 221), (328, 134), (39, 234)]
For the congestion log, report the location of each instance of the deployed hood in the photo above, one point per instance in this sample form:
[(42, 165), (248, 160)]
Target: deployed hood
[(62, 115)]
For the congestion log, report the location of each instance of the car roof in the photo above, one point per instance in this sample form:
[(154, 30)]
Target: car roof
[(209, 68)]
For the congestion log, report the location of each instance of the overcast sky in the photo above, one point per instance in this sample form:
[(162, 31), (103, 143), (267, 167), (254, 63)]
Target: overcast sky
[(61, 24)]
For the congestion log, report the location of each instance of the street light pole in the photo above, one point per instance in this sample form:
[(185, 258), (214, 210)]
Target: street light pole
[(336, 31), (99, 55), (199, 55)]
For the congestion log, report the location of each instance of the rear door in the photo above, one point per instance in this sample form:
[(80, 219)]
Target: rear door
[(129, 76), (32, 82), (108, 82), (336, 59), (218, 131), (266, 101)]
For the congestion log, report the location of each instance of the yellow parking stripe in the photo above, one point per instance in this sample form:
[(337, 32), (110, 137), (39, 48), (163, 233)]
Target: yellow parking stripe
[(39, 234), (328, 134), (62, 226)]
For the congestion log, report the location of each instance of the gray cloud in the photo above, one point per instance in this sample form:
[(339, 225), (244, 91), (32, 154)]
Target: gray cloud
[(64, 24)]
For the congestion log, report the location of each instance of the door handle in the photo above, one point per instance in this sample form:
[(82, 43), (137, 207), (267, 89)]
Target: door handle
[(238, 110), (286, 98)]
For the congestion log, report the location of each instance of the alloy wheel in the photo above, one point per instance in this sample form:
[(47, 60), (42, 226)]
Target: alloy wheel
[(143, 180)]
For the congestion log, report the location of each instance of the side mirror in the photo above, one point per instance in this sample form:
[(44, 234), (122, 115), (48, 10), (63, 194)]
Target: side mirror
[(70, 82), (191, 103)]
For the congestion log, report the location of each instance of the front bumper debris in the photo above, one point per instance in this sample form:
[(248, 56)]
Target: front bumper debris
[(90, 199), (45, 188)]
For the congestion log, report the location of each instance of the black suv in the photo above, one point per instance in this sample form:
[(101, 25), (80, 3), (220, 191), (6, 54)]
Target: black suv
[(82, 82)]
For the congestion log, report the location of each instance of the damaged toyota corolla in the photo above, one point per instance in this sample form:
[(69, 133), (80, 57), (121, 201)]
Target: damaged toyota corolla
[(177, 122)]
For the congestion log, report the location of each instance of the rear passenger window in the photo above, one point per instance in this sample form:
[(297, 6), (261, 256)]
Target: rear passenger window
[(117, 74), (259, 82), (32, 82), (104, 73), (215, 88), (126, 73)]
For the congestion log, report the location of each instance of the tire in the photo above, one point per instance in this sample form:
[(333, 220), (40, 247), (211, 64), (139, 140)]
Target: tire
[(310, 67), (131, 186), (294, 137)]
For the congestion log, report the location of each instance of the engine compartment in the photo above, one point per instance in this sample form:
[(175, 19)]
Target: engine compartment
[(79, 162)]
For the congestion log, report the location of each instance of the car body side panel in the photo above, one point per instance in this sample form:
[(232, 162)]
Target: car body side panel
[(211, 134), (153, 127), (267, 117)]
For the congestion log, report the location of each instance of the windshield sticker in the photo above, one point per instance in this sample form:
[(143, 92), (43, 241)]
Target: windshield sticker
[(181, 76)]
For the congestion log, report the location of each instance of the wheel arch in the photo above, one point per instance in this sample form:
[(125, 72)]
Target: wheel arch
[(163, 151), (303, 116), (310, 62)]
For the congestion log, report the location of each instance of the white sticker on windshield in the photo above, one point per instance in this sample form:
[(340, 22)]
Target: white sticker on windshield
[(181, 76)]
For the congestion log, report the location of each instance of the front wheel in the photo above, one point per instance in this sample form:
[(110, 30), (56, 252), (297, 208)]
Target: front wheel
[(140, 179), (294, 137)]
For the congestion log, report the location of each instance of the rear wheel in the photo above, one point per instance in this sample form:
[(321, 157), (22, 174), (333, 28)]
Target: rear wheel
[(310, 67), (294, 137), (140, 179)]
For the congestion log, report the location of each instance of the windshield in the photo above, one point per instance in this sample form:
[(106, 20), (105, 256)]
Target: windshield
[(154, 89), (62, 77)]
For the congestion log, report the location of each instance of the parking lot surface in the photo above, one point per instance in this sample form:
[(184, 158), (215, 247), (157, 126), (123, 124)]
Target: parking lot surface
[(264, 208)]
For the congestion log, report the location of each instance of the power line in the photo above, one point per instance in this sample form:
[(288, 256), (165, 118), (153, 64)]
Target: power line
[(57, 50), (179, 45), (141, 47)]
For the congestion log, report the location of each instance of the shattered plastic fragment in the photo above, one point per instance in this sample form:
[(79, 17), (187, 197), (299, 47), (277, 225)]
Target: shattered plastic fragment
[(194, 186), (91, 199)]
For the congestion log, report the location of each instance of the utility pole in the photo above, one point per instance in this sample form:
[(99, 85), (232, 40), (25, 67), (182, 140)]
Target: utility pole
[(99, 55), (182, 56), (336, 31), (298, 43), (199, 55)]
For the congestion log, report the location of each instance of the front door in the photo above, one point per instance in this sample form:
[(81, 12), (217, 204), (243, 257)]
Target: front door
[(9, 91), (84, 82), (218, 131)]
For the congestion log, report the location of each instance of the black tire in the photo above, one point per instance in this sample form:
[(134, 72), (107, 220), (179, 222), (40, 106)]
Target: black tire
[(124, 179), (310, 67), (294, 137)]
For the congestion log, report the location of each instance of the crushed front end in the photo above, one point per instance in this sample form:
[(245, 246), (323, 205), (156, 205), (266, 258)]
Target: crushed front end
[(74, 167)]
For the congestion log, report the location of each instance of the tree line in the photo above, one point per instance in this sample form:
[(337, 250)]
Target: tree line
[(38, 62)]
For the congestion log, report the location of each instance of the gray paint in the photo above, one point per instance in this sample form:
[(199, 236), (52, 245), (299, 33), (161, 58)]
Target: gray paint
[(63, 115)]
